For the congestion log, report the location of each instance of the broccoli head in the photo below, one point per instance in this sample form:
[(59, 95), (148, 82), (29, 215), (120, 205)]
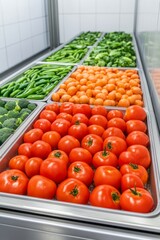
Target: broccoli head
[(3, 111), (13, 114), (32, 106), (1, 125), (2, 103), (23, 103), (24, 116), (4, 134), (24, 110), (10, 105), (3, 118), (12, 123)]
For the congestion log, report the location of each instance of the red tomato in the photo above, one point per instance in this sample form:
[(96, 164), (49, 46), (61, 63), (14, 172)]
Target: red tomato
[(54, 169), (61, 126), (99, 110), (92, 143), (42, 124), (32, 166), (81, 171), (80, 154), (67, 143), (59, 155), (107, 175), (138, 170), (65, 116), (130, 180), (51, 137), (141, 155), (78, 130), (41, 187), (105, 196), (72, 190), (82, 118), (115, 145), (32, 135), (96, 129), (82, 108), (48, 114), (104, 158), (114, 114), (40, 149), (135, 125), (125, 158), (135, 112), (136, 200), (25, 149), (13, 181), (67, 107), (137, 137), (53, 107), (18, 162), (118, 123), (98, 120), (113, 131)]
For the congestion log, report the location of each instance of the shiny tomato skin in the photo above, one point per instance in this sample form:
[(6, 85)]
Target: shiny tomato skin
[(126, 158), (48, 114), (117, 122), (65, 116), (59, 154), (105, 196), (41, 187), (25, 149), (51, 137), (54, 169), (32, 135), (67, 107), (107, 175), (53, 107), (98, 120), (13, 181), (78, 130), (113, 131), (92, 143), (61, 126), (67, 143), (141, 155), (81, 171), (136, 200), (115, 145), (99, 110), (104, 158), (114, 114), (80, 117), (18, 162), (42, 124), (80, 154), (130, 180), (138, 170), (72, 190), (32, 166), (135, 125), (82, 108), (135, 112), (40, 149), (96, 129), (137, 137)]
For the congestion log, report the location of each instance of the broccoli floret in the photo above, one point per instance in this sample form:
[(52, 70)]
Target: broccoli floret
[(23, 103), (3, 111), (12, 105), (4, 134), (12, 123), (3, 118), (32, 106), (2, 103), (1, 125), (13, 114), (24, 110), (24, 116)]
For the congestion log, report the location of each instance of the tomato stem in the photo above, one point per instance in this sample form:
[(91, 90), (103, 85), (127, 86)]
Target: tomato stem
[(105, 153), (115, 197), (77, 122), (90, 142), (135, 192), (134, 166), (74, 191), (14, 178), (77, 169), (109, 145), (57, 154)]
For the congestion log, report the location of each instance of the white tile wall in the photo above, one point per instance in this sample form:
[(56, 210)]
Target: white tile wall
[(148, 22), (23, 30), (148, 6), (94, 15)]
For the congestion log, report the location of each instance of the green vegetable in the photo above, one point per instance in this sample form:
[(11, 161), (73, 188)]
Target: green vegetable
[(12, 123), (4, 134), (24, 115), (10, 105), (32, 106), (2, 103), (22, 103), (3, 111), (13, 114)]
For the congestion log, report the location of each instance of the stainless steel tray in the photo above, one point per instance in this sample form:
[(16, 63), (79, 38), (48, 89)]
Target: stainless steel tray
[(12, 138), (107, 217)]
